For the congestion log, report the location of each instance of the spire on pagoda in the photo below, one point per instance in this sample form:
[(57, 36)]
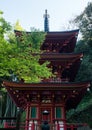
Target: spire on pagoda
[(46, 22)]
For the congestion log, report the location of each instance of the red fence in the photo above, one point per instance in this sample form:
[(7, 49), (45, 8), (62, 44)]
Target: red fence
[(33, 126)]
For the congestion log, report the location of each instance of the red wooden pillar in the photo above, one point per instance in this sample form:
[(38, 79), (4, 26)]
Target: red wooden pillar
[(72, 127), (58, 128), (33, 126), (64, 116), (27, 116), (6, 125)]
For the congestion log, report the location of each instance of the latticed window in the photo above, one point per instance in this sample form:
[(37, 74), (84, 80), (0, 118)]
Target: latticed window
[(33, 112), (58, 112)]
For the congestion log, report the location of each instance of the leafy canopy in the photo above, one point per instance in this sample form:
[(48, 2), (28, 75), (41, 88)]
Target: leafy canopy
[(84, 22), (16, 55)]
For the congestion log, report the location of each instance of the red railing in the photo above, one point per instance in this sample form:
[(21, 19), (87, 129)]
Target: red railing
[(66, 126), (33, 126)]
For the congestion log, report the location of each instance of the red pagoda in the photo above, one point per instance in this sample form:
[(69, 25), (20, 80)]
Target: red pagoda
[(50, 99)]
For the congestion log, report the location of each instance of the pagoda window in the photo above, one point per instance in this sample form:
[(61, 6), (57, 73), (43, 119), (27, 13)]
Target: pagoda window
[(33, 112), (58, 112)]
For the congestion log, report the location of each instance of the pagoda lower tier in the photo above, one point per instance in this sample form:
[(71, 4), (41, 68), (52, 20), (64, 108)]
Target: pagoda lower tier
[(36, 98)]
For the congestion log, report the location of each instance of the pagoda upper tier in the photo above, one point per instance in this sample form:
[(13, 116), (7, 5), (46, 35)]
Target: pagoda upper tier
[(60, 42), (58, 49), (65, 66)]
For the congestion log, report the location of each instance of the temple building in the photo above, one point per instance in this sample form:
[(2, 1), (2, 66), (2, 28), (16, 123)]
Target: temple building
[(51, 98)]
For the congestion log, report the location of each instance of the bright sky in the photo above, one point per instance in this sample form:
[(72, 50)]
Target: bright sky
[(30, 12)]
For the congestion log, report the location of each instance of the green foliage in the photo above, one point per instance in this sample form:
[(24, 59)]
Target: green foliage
[(20, 58), (83, 113), (84, 21), (85, 73), (4, 26), (17, 55), (82, 46)]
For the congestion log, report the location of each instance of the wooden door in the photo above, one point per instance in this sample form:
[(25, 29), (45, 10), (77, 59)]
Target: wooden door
[(46, 117)]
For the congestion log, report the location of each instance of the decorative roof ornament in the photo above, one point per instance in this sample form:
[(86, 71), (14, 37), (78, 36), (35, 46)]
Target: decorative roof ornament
[(46, 21)]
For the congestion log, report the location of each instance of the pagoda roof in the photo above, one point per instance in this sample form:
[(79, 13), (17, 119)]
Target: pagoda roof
[(72, 92), (53, 33), (63, 38), (62, 34), (70, 61), (60, 56)]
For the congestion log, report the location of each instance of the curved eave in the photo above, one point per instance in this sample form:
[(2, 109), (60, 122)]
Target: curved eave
[(56, 36), (62, 34), (20, 91), (64, 38), (47, 85), (61, 56), (53, 33)]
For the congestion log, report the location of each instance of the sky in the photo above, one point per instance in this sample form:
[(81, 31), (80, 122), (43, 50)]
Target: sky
[(30, 12)]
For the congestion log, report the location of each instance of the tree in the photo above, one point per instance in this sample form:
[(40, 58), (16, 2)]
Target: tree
[(17, 60), (16, 56), (84, 73), (84, 22)]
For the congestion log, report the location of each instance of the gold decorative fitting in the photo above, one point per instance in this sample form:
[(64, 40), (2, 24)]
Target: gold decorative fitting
[(27, 95), (74, 91), (53, 96), (38, 95), (17, 96), (67, 66), (54, 50), (14, 92), (55, 72), (64, 96), (64, 44)]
